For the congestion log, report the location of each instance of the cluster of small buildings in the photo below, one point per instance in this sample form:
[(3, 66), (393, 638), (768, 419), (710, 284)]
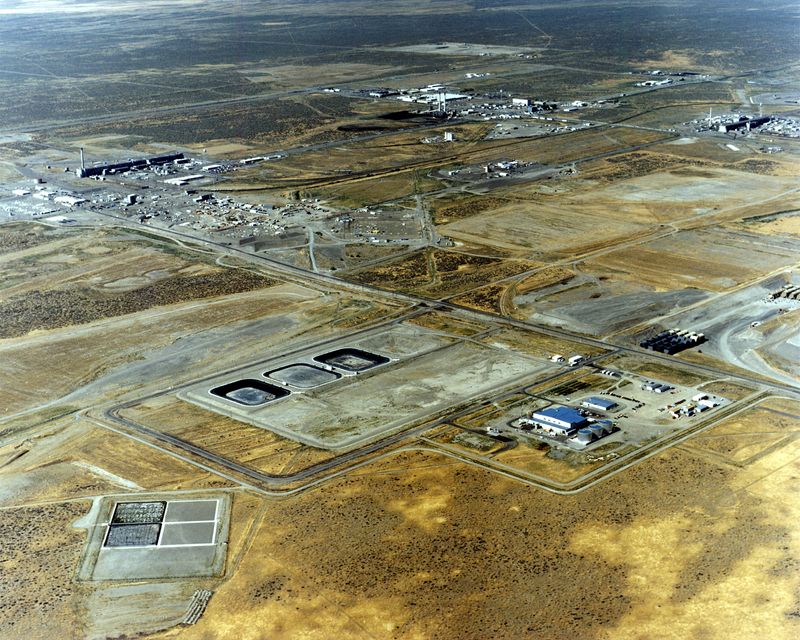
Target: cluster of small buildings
[(665, 77), (432, 94), (737, 122), (59, 196), (700, 403), (448, 136), (673, 341), (786, 292), (786, 127), (576, 425)]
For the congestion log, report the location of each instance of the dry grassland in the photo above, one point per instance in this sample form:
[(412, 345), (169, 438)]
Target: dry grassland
[(448, 324), (528, 457), (712, 152), (539, 345), (53, 363), (534, 460), (651, 553), (712, 259), (698, 356), (488, 299), (748, 436), (40, 551), (17, 237), (257, 448), (454, 209), (62, 279), (435, 273), (74, 458), (689, 193), (545, 230), (374, 190), (788, 225), (287, 75), (546, 277), (633, 165), (727, 389)]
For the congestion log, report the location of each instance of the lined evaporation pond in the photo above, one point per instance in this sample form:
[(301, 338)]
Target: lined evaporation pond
[(303, 376), (352, 359), (250, 392)]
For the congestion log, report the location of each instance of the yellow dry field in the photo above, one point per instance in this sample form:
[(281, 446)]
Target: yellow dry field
[(489, 299), (499, 298), (748, 436), (74, 457), (712, 259), (257, 448), (567, 147), (539, 345), (436, 273), (784, 225), (531, 460), (543, 229), (712, 152), (449, 324), (703, 358), (40, 552), (546, 277), (660, 371), (727, 389), (52, 363), (368, 191), (668, 549), (48, 479), (453, 209), (8, 173), (685, 193)]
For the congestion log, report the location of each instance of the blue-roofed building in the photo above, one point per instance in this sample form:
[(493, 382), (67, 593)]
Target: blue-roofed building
[(559, 420), (599, 404)]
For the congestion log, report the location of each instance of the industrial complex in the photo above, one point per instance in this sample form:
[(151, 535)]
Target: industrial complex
[(322, 322)]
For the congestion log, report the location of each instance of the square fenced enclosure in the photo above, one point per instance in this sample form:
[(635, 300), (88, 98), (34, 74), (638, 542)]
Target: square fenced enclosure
[(138, 512), (133, 535)]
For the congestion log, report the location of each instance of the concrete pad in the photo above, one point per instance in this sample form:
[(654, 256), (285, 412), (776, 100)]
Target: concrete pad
[(205, 543), (154, 562), (190, 510), (187, 533)]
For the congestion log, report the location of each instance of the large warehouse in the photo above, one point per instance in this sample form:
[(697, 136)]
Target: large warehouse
[(599, 404), (559, 420)]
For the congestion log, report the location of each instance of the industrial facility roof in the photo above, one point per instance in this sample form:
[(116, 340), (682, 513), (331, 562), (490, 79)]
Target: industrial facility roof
[(567, 414), (601, 402)]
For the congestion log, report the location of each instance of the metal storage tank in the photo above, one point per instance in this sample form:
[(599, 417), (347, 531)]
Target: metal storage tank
[(598, 430)]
